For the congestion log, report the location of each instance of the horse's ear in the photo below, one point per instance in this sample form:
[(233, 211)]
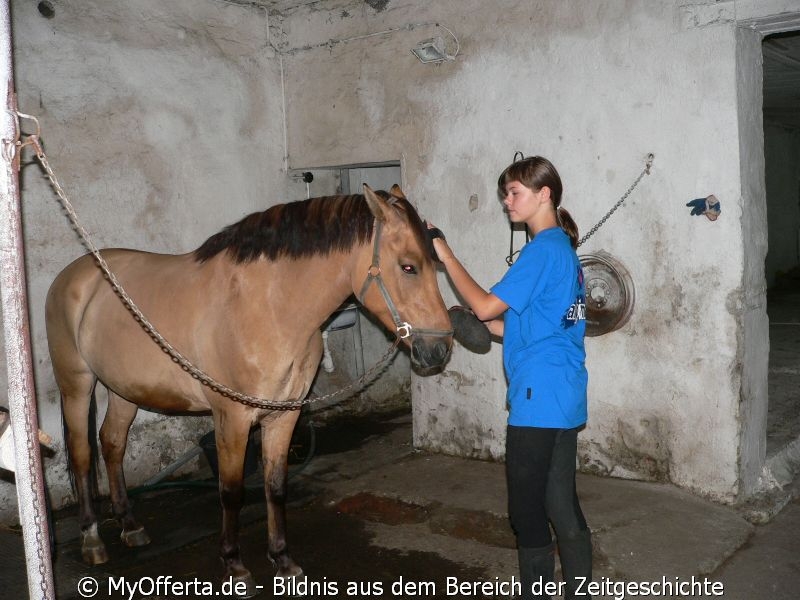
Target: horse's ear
[(397, 192), (377, 205)]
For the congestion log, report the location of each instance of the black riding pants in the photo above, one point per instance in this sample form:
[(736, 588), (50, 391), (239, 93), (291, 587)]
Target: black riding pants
[(540, 473)]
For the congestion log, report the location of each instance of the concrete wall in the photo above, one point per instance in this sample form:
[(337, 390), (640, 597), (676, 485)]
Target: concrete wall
[(166, 121), (595, 87), (748, 302), (163, 121)]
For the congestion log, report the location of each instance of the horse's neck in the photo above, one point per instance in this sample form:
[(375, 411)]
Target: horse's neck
[(311, 288)]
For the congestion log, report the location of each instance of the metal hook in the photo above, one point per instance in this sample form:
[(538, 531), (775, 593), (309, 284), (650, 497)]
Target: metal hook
[(11, 148), (17, 116), (649, 162)]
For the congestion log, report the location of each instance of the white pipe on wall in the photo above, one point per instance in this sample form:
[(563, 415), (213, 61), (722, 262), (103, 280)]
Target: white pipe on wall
[(21, 393)]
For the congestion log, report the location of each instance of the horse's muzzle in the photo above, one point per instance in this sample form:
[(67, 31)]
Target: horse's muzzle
[(429, 353)]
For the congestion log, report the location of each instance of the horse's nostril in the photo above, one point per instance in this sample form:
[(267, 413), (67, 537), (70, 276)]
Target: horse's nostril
[(440, 351), (415, 353)]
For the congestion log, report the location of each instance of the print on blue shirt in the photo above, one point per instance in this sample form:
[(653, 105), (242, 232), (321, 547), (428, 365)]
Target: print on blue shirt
[(577, 310)]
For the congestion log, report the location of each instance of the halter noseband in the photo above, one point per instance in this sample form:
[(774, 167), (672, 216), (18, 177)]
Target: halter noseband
[(403, 328)]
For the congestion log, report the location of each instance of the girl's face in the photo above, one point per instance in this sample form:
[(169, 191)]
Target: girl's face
[(522, 203)]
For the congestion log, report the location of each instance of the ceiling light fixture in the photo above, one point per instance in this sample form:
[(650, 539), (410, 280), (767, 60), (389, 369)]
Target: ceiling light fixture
[(431, 50), (434, 50)]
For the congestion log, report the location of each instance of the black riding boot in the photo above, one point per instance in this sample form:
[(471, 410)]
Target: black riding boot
[(536, 567), (575, 553)]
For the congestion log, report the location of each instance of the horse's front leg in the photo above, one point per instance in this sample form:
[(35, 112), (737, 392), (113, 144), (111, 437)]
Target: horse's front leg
[(231, 437), (276, 435)]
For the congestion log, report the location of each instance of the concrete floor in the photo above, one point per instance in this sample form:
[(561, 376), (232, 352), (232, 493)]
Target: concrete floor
[(368, 508)]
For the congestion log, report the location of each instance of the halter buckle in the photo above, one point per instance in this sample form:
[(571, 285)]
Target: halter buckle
[(406, 330)]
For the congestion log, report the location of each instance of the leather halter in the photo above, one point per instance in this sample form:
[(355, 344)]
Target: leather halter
[(403, 328)]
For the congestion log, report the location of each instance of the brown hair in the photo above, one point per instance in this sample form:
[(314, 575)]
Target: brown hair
[(535, 172)]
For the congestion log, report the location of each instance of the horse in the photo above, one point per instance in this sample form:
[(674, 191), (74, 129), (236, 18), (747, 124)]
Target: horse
[(247, 308)]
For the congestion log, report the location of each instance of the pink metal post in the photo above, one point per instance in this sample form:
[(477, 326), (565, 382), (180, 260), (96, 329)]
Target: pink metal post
[(21, 393)]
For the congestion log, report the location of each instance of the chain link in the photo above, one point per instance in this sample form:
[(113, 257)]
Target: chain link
[(32, 443), (593, 230), (149, 328)]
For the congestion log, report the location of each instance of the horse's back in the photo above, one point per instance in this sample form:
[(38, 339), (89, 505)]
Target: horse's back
[(89, 330), (82, 281)]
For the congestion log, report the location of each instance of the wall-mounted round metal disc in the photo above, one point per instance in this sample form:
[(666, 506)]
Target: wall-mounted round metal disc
[(609, 293)]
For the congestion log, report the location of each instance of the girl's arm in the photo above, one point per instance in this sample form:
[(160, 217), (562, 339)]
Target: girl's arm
[(496, 327), (485, 305)]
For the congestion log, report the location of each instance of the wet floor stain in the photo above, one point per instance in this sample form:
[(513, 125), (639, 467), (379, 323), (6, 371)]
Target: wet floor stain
[(334, 543), (464, 524), (474, 525), (334, 549), (381, 509)]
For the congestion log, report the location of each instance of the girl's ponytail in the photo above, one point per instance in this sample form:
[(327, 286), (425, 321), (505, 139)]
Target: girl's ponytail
[(567, 223)]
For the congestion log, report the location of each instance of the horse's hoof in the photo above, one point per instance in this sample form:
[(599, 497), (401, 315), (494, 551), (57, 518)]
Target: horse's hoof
[(94, 554), (93, 550), (134, 538), (292, 570), (250, 588)]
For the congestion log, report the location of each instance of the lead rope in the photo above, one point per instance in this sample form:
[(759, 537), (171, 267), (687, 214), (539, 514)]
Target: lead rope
[(149, 328)]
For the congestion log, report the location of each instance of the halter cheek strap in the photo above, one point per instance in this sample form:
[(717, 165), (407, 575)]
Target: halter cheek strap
[(402, 328)]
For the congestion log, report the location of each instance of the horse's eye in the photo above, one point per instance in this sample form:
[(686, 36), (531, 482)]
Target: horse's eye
[(409, 269)]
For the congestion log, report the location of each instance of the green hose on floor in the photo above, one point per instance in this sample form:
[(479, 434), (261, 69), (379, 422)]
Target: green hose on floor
[(213, 483)]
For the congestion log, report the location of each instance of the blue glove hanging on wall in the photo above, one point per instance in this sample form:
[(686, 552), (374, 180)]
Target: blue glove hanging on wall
[(698, 206), (709, 207)]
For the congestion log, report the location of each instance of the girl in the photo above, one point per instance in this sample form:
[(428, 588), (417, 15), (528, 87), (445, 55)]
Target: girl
[(541, 300)]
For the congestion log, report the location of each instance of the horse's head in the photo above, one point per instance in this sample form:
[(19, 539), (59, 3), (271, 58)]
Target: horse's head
[(401, 289)]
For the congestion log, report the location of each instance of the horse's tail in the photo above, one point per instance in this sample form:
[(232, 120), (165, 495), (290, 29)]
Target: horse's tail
[(94, 465)]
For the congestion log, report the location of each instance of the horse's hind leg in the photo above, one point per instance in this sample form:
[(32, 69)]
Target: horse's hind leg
[(76, 397), (276, 435), (114, 440)]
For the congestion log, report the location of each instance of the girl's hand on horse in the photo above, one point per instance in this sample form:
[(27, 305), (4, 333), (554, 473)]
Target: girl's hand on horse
[(441, 251)]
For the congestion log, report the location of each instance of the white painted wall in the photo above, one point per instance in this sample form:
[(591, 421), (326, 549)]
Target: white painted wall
[(595, 87), (163, 121)]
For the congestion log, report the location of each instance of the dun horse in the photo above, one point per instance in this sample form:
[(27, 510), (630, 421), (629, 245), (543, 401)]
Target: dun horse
[(246, 308)]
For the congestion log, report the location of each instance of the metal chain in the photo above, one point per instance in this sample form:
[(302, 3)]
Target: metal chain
[(646, 171), (150, 329), (32, 443)]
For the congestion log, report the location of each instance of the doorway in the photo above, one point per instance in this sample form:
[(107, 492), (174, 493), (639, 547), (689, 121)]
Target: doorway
[(351, 351), (781, 115)]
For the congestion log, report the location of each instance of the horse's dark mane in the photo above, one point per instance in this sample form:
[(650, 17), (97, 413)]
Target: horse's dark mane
[(305, 228)]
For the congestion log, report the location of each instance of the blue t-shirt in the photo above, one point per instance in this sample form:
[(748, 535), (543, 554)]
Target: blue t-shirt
[(543, 350)]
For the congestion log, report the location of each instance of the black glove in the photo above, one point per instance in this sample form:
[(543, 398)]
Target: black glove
[(469, 331), (433, 233)]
